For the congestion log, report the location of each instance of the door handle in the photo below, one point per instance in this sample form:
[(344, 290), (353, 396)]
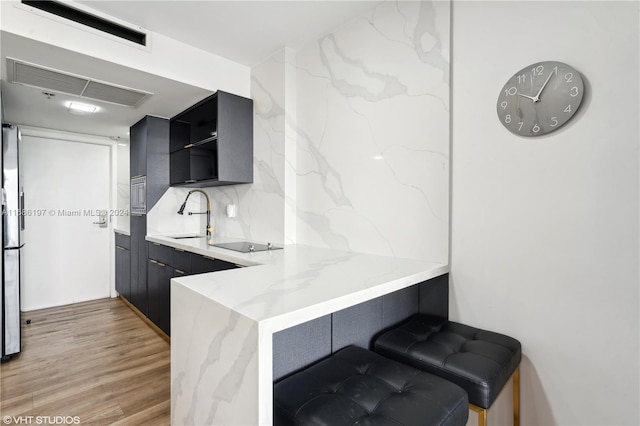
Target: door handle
[(102, 219), (22, 209)]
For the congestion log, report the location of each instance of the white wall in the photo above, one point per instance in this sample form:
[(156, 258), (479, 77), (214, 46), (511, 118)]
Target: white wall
[(545, 243)]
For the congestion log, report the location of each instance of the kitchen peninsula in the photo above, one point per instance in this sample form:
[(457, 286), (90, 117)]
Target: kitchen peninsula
[(223, 323)]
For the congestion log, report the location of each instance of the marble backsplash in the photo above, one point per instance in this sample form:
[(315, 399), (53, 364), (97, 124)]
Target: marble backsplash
[(260, 205), (163, 218)]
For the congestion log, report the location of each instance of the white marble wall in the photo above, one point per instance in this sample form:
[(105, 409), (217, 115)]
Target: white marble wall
[(261, 205), (351, 139), (214, 374), (163, 218), (373, 134)]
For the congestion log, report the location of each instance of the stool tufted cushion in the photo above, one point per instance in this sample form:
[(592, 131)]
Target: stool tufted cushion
[(479, 361), (359, 387)]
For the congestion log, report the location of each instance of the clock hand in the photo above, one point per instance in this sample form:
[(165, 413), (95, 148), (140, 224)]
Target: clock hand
[(528, 97), (537, 96)]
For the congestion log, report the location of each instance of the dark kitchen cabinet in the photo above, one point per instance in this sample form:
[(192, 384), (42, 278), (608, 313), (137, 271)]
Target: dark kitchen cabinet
[(160, 253), (149, 156), (203, 264), (123, 266), (139, 263), (165, 263), (159, 278), (184, 262), (212, 142), (160, 271), (181, 261), (138, 149)]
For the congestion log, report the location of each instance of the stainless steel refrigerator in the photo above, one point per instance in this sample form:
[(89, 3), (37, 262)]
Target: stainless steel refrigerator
[(13, 242)]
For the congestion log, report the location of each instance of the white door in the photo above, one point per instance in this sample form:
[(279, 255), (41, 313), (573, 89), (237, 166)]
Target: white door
[(66, 255)]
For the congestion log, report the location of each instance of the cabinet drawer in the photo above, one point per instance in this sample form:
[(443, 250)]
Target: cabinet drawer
[(181, 260), (202, 264), (123, 241), (162, 254)]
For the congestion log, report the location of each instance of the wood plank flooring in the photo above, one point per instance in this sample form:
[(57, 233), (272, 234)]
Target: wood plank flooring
[(96, 360)]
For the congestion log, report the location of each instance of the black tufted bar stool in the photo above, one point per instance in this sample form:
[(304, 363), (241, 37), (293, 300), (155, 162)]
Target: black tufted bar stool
[(479, 361), (358, 387)]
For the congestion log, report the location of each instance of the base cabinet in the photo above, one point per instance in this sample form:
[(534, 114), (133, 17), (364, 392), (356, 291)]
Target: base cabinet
[(123, 265), (123, 272), (139, 297), (159, 276), (165, 263)]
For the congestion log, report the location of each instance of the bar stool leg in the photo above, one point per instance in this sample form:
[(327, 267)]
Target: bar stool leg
[(516, 397), (482, 414)]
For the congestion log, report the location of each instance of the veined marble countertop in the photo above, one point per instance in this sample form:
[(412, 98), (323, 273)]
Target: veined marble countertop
[(283, 288)]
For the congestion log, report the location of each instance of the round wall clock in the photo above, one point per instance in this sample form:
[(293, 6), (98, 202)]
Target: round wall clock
[(540, 98)]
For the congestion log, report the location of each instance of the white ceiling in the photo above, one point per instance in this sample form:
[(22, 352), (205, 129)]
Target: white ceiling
[(243, 31)]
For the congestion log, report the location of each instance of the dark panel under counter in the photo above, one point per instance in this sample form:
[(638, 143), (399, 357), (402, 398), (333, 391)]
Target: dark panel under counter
[(160, 253), (181, 261), (139, 263), (297, 347), (203, 264), (123, 241)]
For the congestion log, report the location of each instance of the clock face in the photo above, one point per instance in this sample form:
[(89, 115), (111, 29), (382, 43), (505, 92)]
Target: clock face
[(540, 98)]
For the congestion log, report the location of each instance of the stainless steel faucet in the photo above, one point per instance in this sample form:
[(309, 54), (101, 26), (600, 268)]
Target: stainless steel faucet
[(209, 230)]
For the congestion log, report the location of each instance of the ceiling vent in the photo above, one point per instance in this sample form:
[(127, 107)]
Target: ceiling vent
[(88, 19), (21, 72)]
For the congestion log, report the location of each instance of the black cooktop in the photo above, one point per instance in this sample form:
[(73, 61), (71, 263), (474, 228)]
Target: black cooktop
[(247, 246)]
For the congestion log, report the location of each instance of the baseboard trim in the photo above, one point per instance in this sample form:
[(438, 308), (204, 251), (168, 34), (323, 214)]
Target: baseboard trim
[(146, 320)]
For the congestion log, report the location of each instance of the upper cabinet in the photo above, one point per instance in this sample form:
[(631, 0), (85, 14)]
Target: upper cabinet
[(149, 156), (212, 142), (138, 149)]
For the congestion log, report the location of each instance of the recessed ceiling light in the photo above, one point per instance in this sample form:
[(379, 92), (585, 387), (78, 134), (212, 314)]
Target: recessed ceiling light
[(77, 107), (378, 157)]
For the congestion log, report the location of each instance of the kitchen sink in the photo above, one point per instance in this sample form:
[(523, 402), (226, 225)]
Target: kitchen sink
[(184, 237)]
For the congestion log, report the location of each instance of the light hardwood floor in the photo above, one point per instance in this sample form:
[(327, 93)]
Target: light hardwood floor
[(95, 360)]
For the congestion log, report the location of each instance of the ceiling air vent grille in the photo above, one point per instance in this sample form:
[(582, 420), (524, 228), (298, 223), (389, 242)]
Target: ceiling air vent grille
[(115, 95), (93, 21), (21, 72), (53, 80)]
